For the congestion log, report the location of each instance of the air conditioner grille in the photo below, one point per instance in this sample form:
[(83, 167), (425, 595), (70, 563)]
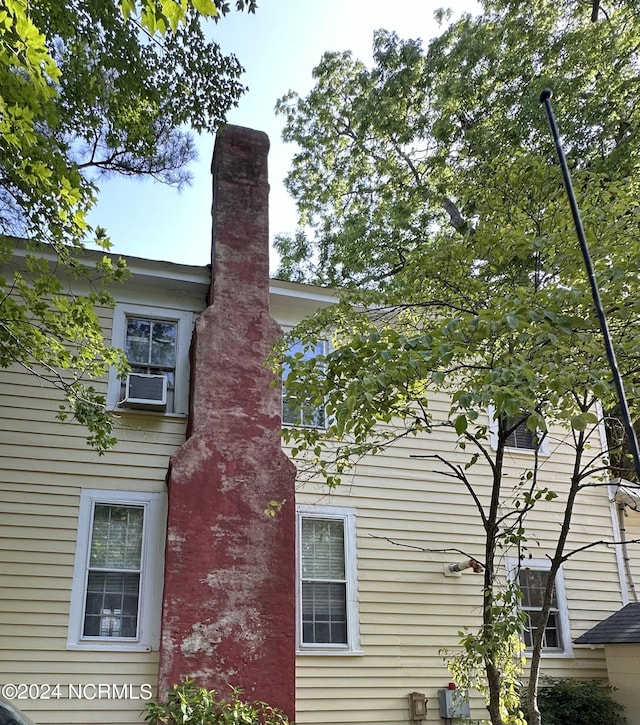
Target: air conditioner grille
[(147, 392)]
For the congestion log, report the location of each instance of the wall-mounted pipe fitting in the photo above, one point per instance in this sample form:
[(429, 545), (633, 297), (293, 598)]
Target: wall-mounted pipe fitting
[(457, 569)]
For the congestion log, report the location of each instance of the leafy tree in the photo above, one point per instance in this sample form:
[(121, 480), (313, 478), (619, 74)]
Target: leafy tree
[(90, 88), (388, 155), (431, 192)]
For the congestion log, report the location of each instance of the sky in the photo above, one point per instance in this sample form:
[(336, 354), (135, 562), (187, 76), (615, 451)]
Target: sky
[(278, 46)]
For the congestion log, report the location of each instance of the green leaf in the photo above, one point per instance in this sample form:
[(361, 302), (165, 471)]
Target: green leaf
[(460, 424), (206, 7)]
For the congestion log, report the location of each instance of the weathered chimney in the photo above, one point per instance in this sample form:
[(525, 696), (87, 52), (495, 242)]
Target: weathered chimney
[(229, 591)]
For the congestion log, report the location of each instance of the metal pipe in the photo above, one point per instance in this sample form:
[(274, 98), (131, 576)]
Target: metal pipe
[(625, 551), (545, 99), (617, 536)]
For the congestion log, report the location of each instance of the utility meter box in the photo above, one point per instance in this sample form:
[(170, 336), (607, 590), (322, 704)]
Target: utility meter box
[(454, 704)]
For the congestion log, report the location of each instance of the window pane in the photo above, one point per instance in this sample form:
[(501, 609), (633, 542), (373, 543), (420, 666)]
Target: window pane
[(290, 411), (163, 344), (552, 632), (116, 539), (322, 548), (551, 638), (533, 583), (522, 438), (307, 352), (151, 343), (324, 613), (312, 415), (137, 344), (111, 605)]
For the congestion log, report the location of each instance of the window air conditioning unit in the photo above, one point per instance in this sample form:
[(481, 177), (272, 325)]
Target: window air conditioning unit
[(145, 392)]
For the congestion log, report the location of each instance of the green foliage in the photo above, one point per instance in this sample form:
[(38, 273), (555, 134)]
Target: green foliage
[(579, 702), (189, 704), (435, 188), (55, 334), (90, 88), (500, 644), (428, 191), (388, 155), (429, 181)]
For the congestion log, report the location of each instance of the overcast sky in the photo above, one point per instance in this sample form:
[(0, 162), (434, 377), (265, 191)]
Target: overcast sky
[(278, 46)]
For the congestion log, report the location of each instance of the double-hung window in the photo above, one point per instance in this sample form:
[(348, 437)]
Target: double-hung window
[(532, 579), (117, 582), (327, 582), (150, 347), (303, 412), (156, 343), (113, 571)]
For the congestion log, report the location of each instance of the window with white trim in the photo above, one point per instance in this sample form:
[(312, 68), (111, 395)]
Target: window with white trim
[(520, 438), (327, 580), (303, 413), (532, 578), (156, 343), (117, 580)]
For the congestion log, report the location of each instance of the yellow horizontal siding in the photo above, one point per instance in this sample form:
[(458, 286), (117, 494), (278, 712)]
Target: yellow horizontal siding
[(43, 466), (409, 610)]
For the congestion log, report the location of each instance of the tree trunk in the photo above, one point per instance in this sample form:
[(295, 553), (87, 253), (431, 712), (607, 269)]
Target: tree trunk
[(534, 717), (492, 671), (493, 680)]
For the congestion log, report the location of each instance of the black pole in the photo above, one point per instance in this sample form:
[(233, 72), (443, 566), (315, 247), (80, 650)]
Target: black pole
[(545, 99)]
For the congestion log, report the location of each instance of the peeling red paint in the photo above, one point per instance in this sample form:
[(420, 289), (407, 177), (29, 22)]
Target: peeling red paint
[(229, 598)]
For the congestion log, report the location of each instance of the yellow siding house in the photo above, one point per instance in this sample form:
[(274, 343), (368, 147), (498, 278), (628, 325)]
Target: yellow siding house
[(77, 527)]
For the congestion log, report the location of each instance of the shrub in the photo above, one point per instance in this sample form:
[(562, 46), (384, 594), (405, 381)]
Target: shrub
[(565, 701), (189, 704)]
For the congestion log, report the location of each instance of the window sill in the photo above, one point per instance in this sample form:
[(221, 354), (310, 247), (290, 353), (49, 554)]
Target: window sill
[(109, 647), (549, 655), (154, 413), (542, 452), (330, 652)]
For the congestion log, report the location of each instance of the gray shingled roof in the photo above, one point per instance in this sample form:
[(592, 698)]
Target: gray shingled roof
[(623, 627)]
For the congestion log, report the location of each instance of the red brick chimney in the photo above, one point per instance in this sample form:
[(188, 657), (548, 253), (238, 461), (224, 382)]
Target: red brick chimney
[(229, 590)]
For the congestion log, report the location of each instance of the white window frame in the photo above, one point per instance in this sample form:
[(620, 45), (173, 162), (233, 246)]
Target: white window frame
[(185, 321), (543, 448), (151, 576), (348, 517), (566, 649)]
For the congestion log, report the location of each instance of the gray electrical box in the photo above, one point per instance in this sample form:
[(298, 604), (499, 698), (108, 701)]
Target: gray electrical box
[(454, 704)]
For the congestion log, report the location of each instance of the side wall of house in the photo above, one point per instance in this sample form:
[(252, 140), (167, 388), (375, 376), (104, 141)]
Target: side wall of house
[(623, 660), (631, 522), (44, 466), (623, 663), (409, 611)]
